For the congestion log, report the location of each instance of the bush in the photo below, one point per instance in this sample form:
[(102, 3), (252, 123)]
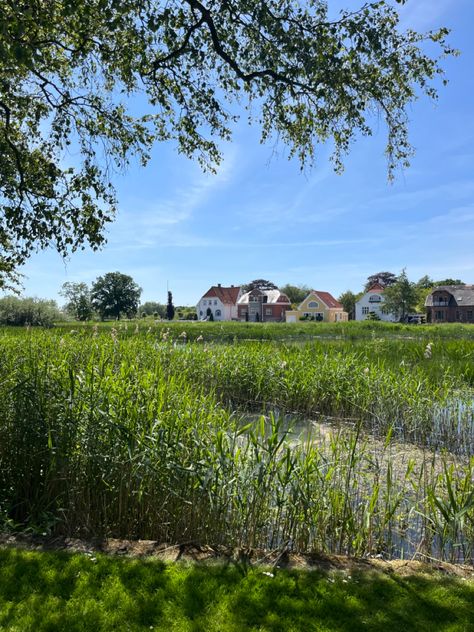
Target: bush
[(28, 311)]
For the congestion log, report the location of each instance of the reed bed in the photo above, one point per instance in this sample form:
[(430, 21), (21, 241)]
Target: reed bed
[(139, 433)]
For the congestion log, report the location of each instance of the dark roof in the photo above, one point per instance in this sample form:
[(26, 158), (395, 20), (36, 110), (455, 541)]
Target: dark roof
[(462, 294), (227, 295)]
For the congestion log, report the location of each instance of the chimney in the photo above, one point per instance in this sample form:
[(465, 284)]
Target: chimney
[(231, 286), (218, 285)]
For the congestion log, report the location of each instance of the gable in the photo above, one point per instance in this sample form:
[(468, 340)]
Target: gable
[(227, 295), (324, 301)]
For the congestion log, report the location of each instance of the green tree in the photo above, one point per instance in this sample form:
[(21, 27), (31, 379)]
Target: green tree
[(115, 294), (78, 298), (384, 278), (304, 77), (423, 287), (425, 282), (296, 293), (348, 300), (150, 308), (28, 311), (401, 297), (259, 284), (449, 282), (170, 307)]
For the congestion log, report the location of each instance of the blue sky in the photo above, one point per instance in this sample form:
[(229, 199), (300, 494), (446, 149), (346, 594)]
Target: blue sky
[(261, 217)]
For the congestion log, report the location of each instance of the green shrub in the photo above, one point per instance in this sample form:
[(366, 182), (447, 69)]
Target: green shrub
[(28, 311)]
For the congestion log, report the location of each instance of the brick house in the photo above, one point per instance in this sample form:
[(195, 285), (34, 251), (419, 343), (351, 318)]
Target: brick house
[(219, 301), (263, 306), (450, 304)]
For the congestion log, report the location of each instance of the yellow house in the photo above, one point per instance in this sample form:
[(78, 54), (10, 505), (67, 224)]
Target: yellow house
[(318, 306)]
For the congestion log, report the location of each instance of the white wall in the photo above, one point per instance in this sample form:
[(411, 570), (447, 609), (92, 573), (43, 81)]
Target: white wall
[(226, 311), (368, 301)]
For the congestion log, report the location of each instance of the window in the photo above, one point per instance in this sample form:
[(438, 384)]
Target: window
[(469, 315), (314, 315), (253, 299), (200, 313), (375, 298), (439, 315), (218, 312), (268, 311), (215, 302), (313, 304), (365, 311)]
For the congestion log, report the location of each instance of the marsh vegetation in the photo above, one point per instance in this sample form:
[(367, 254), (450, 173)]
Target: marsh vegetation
[(348, 439)]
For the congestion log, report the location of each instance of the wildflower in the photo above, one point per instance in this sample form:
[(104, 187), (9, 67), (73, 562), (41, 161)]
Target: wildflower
[(366, 370), (113, 333), (136, 329), (428, 351), (183, 335), (95, 331)]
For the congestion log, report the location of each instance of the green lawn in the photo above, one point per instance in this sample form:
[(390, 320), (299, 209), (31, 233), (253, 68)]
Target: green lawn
[(62, 591)]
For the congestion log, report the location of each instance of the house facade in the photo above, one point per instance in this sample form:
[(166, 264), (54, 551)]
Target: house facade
[(450, 304), (263, 306), (372, 303), (318, 306), (219, 301)]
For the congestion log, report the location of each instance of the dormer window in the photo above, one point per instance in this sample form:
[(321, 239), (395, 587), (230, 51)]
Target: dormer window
[(375, 298), (313, 304)]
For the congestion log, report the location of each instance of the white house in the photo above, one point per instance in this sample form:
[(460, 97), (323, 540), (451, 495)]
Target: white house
[(219, 301), (372, 302)]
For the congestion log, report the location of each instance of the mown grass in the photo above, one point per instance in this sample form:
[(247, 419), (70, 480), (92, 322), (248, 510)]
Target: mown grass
[(46, 591)]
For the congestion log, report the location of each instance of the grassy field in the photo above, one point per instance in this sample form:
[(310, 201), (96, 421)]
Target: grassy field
[(187, 432), (41, 592)]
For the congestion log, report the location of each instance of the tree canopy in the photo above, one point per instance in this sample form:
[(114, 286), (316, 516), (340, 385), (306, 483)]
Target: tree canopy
[(78, 298), (448, 282), (115, 294), (383, 278), (170, 307), (69, 70), (259, 284), (296, 293), (401, 297), (348, 300)]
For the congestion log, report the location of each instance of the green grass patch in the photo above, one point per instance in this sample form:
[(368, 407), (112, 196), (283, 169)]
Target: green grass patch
[(46, 591)]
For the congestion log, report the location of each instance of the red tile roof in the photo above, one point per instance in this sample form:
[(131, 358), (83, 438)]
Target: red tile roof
[(376, 287), (227, 295), (328, 299)]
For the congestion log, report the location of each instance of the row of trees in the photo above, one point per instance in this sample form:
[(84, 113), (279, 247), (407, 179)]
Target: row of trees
[(111, 296), (29, 311)]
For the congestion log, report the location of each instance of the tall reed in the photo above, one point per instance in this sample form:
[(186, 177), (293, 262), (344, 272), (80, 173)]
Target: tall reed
[(133, 435)]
